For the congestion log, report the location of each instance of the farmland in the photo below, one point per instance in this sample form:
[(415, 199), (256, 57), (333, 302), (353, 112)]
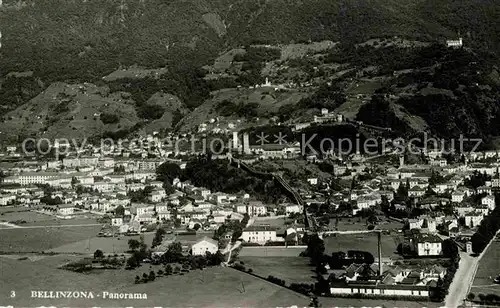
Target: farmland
[(358, 302), (42, 239), (265, 251), (366, 242), (488, 269), (37, 219), (211, 287), (350, 224), (116, 244), (290, 269)]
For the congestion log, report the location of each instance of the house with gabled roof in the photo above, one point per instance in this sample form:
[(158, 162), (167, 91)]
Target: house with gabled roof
[(203, 246)]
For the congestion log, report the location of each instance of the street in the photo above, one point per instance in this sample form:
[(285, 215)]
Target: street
[(464, 277)]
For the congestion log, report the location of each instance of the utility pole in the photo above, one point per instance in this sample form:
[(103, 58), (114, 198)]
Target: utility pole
[(379, 234)]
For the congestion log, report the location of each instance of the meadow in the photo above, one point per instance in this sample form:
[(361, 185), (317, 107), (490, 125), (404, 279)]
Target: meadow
[(365, 242), (212, 287), (290, 269), (14, 214), (43, 239), (488, 269), (264, 251)]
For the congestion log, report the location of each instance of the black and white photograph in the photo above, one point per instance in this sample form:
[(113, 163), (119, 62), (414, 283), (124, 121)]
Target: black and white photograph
[(249, 153)]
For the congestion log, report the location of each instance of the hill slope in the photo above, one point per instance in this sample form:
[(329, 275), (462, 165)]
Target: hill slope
[(82, 41)]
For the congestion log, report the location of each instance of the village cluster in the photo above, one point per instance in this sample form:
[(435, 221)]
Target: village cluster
[(91, 184)]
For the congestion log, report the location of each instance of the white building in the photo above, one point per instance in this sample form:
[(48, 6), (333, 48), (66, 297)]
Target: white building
[(116, 221), (313, 181), (28, 178), (259, 234), (489, 201), (426, 244), (454, 43), (292, 208), (473, 219), (457, 196), (204, 246), (253, 208)]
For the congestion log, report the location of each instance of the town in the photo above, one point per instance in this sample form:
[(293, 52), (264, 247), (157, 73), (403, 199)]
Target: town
[(416, 216)]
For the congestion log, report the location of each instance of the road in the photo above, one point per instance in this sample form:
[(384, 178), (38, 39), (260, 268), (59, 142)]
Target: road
[(462, 280), (464, 277)]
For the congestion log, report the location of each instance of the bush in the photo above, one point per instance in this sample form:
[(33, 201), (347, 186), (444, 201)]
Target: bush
[(108, 118), (150, 112), (486, 230), (276, 280)]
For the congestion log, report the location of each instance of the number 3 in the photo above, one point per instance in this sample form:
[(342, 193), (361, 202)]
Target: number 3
[(12, 293)]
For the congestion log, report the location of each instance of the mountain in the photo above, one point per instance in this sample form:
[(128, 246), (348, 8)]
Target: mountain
[(87, 111), (45, 42), (84, 40)]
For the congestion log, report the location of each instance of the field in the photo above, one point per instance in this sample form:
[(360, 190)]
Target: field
[(350, 224), (362, 87), (263, 251), (36, 219), (106, 244), (365, 242), (212, 287), (488, 269), (290, 269), (42, 239), (357, 302), (116, 244)]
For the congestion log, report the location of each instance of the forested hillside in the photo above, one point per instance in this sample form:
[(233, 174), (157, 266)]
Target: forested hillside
[(78, 41)]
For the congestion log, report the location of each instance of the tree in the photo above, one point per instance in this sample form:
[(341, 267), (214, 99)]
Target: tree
[(402, 192), (385, 205), (214, 259), (169, 189), (315, 249), (137, 279), (167, 172), (314, 302), (168, 269), (145, 277), (160, 272), (471, 296), (133, 245), (158, 238), (98, 254), (152, 276), (120, 211), (132, 262), (173, 253)]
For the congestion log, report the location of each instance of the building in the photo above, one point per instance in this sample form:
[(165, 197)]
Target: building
[(489, 201), (204, 246), (454, 43), (367, 289), (426, 244), (28, 178), (259, 234), (116, 221), (253, 208), (457, 196), (473, 219), (292, 208)]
